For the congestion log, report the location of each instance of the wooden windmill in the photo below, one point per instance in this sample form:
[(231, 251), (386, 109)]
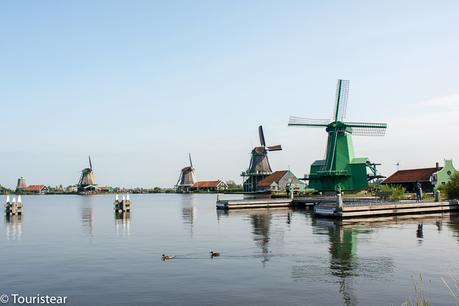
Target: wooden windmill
[(340, 167), (186, 178), (259, 166), (87, 180)]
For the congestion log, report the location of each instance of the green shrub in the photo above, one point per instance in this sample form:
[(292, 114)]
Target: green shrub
[(392, 192), (452, 187)]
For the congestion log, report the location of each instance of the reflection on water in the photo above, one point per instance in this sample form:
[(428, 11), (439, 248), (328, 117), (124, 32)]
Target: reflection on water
[(345, 263), (13, 227), (87, 220), (189, 212), (261, 223), (122, 224)]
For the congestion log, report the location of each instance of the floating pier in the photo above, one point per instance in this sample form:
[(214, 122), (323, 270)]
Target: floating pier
[(14, 206), (123, 205), (283, 202), (377, 209)]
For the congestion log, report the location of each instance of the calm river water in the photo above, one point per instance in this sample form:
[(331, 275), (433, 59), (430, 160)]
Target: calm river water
[(75, 246)]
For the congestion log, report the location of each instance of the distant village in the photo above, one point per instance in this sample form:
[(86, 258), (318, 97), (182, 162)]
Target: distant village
[(340, 168)]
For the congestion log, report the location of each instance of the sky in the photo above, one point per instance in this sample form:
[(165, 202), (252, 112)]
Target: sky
[(140, 84)]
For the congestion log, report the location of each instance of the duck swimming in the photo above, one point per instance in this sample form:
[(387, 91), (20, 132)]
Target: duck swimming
[(214, 254), (167, 257)]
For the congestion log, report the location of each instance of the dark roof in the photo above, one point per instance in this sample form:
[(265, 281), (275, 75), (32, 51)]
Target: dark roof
[(274, 177), (411, 176), (208, 184)]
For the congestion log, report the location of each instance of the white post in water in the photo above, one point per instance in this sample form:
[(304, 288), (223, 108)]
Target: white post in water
[(123, 198), (14, 199), (117, 197), (339, 199), (19, 199), (127, 197), (7, 198)]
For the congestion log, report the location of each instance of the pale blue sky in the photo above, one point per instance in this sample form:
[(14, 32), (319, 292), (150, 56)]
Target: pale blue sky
[(139, 84)]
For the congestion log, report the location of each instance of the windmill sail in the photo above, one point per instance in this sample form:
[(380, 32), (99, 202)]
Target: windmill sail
[(367, 128), (299, 121), (342, 95), (262, 136)]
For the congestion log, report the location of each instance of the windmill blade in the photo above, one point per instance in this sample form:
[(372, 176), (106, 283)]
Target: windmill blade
[(191, 162), (275, 148), (262, 136), (367, 128), (342, 95), (298, 121), (90, 164)]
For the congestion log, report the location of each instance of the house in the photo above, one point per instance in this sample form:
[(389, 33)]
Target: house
[(209, 186), (430, 178), (279, 181), (39, 189)]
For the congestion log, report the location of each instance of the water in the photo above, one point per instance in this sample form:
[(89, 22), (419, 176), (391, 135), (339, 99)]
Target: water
[(75, 246)]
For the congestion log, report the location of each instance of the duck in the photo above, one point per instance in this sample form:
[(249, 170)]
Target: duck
[(167, 257), (214, 254)]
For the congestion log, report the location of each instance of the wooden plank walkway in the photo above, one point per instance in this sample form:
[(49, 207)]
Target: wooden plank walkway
[(253, 203)]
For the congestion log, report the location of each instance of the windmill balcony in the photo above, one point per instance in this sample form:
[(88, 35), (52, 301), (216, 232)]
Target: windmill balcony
[(332, 173)]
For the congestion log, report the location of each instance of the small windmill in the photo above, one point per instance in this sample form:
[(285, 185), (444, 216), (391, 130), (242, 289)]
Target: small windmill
[(186, 178), (340, 167), (87, 180), (259, 166)]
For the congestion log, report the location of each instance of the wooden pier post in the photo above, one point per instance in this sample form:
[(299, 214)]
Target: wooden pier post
[(13, 207), (124, 205)]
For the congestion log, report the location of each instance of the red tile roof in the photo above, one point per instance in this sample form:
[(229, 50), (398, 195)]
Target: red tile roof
[(208, 184), (410, 176), (35, 188), (274, 177)]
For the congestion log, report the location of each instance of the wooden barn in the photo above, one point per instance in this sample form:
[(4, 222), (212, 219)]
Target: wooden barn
[(430, 178), (210, 186)]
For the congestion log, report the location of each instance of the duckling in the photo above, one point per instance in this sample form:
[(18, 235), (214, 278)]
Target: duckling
[(167, 257), (214, 254)]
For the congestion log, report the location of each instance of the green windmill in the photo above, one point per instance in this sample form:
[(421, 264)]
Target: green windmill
[(340, 167)]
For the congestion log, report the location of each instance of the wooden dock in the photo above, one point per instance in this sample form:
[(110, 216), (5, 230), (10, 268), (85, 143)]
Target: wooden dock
[(254, 203), (383, 209), (285, 202)]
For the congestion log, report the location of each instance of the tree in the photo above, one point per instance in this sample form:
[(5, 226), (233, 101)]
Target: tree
[(452, 187), (232, 185)]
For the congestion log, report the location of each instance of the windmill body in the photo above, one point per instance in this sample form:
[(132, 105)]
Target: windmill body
[(186, 178), (87, 180), (340, 166), (259, 166)]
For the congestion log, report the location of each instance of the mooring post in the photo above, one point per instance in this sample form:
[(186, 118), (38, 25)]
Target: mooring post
[(339, 199), (437, 196)]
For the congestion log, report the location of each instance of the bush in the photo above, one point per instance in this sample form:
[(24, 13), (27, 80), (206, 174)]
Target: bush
[(452, 187), (392, 192)]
